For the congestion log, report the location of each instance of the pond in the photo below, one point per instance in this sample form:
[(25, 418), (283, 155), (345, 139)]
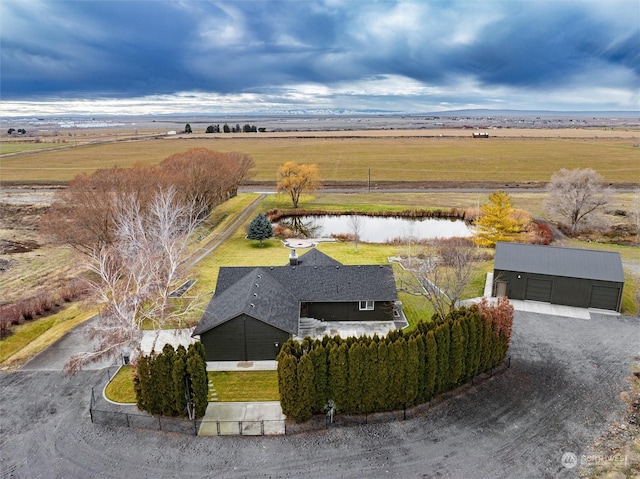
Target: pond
[(376, 229)]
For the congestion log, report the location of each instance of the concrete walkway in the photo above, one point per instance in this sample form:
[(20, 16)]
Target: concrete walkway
[(242, 419)]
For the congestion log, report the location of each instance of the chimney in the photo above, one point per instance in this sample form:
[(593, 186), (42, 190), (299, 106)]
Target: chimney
[(293, 258)]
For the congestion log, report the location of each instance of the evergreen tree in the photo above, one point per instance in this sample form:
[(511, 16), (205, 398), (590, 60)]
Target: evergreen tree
[(369, 377), (259, 229), (456, 360), (383, 402), (411, 372), (355, 382), (442, 340), (338, 376), (197, 371), (226, 128), (143, 383), (319, 357), (287, 384), (306, 389), (163, 375), (187, 128), (472, 345), (180, 380), (431, 365)]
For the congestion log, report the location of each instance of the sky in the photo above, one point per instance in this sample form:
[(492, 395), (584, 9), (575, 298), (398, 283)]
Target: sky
[(155, 57)]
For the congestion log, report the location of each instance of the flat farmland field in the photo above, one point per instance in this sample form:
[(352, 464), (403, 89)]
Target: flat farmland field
[(395, 156)]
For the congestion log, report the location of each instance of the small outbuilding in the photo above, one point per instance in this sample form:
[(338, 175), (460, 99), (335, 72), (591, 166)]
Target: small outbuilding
[(567, 276)]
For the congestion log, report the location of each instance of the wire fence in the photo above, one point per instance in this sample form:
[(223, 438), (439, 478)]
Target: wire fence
[(105, 412), (108, 413)]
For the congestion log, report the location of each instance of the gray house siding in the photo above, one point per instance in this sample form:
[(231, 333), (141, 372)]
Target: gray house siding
[(341, 311), (243, 339), (578, 292)]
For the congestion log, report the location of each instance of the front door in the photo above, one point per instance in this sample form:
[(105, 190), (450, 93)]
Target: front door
[(501, 288)]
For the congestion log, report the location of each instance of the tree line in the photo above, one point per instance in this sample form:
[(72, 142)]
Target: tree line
[(372, 374), (84, 214), (133, 226), (174, 382)]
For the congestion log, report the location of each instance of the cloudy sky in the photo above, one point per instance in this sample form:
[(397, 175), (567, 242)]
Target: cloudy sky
[(241, 56)]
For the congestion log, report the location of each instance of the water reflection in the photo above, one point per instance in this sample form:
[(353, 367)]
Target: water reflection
[(375, 229)]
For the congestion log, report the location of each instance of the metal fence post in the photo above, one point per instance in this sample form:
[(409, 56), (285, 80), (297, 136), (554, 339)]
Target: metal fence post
[(262, 427), (218, 427), (240, 427)]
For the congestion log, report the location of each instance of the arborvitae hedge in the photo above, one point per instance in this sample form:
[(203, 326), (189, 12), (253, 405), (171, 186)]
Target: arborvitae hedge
[(363, 375), (164, 381)]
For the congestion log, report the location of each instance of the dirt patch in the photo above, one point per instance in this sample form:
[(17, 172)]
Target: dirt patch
[(13, 247)]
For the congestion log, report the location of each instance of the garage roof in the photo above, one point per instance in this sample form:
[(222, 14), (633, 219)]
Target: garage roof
[(556, 261)]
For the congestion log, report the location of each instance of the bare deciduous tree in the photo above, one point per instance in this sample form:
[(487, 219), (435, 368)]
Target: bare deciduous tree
[(577, 196), (356, 225), (441, 272), (137, 273)]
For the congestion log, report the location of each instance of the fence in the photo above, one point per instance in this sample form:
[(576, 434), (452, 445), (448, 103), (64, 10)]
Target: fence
[(319, 422), (119, 415), (111, 414)]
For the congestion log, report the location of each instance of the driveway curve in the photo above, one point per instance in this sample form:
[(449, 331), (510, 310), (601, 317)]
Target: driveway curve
[(561, 393)]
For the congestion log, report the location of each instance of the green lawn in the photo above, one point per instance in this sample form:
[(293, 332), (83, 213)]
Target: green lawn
[(241, 386), (120, 388), (31, 337)]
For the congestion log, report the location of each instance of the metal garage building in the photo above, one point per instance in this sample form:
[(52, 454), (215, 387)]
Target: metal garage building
[(569, 276)]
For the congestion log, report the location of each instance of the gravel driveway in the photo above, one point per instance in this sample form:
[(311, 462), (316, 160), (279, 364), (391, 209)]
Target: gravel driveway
[(561, 392)]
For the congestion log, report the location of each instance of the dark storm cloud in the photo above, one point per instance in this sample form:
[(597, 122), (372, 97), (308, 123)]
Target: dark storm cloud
[(131, 49)]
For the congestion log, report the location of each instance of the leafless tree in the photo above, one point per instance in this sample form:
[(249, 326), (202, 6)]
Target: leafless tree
[(577, 196), (137, 273), (635, 213), (356, 225), (441, 272)]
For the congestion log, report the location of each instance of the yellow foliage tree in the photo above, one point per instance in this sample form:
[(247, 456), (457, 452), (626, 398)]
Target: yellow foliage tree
[(497, 221), (294, 179)]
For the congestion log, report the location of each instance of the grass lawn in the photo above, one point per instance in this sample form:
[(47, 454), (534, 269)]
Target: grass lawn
[(32, 337), (120, 388), (240, 386)]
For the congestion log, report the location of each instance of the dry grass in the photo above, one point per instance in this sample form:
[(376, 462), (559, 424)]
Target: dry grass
[(350, 157)]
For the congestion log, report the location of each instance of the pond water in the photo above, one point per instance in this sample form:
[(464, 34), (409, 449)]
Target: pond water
[(376, 229)]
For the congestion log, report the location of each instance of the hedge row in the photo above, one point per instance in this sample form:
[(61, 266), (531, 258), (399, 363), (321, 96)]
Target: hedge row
[(39, 305), (372, 374), (174, 382)]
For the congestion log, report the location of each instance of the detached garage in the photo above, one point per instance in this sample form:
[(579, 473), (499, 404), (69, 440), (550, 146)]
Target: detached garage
[(567, 276)]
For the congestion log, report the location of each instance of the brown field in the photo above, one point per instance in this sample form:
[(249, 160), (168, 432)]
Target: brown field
[(518, 156)]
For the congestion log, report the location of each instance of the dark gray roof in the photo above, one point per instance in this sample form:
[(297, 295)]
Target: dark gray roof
[(314, 257), (555, 261), (256, 294), (273, 294)]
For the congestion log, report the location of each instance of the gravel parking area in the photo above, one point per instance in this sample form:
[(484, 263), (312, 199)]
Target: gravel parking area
[(561, 392)]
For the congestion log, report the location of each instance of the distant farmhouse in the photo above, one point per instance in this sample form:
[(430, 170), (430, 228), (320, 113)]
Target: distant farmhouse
[(256, 309), (568, 276), (481, 134)]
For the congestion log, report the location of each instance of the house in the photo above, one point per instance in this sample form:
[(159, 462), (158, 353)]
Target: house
[(568, 276), (256, 309), (481, 134)]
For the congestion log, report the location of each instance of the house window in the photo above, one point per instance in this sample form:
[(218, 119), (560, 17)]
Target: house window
[(366, 305)]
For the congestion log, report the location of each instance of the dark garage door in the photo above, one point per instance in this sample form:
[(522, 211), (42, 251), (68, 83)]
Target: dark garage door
[(604, 297), (538, 290)]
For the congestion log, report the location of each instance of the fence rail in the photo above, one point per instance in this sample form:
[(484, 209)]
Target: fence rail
[(107, 413)]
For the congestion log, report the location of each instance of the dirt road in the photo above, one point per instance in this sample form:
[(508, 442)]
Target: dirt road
[(561, 392)]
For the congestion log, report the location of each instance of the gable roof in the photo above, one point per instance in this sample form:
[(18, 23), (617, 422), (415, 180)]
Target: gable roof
[(273, 294), (556, 261), (255, 294)]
